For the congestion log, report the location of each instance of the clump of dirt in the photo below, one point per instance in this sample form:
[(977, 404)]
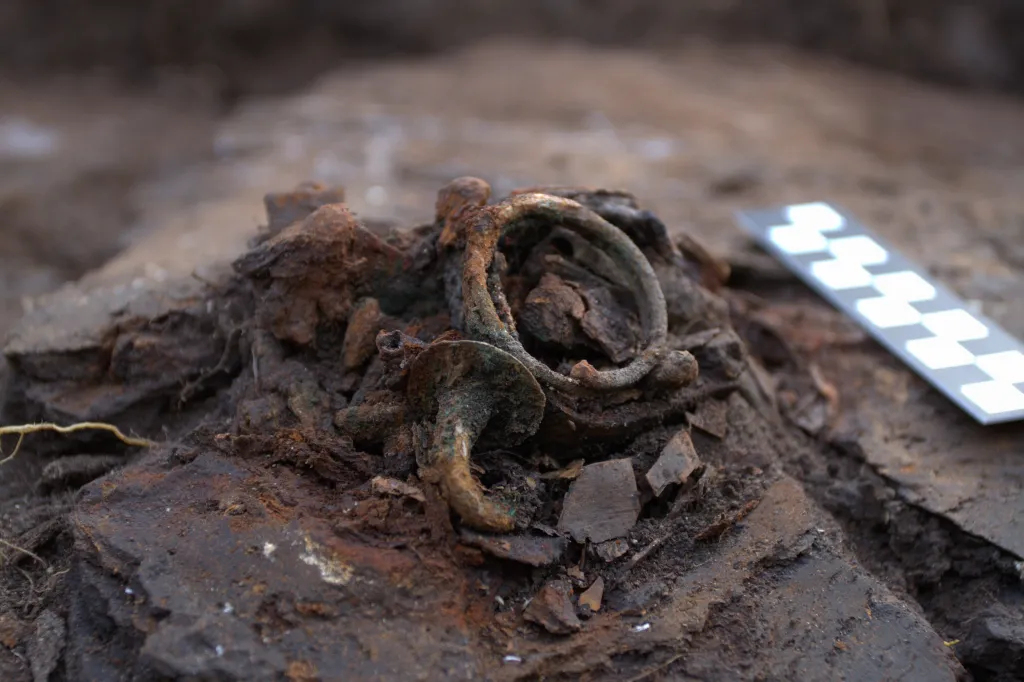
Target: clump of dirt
[(520, 441)]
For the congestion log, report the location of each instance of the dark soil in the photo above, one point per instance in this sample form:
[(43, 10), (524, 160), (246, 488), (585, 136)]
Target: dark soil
[(259, 541)]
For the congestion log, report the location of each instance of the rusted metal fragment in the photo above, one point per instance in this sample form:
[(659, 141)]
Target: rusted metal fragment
[(285, 208), (453, 201), (687, 302), (279, 547), (552, 313), (602, 504), (574, 429), (314, 271), (486, 315), (552, 609), (678, 459), (360, 340), (620, 208), (533, 550), (575, 257)]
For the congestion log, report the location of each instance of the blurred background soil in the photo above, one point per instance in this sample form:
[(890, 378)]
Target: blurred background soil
[(114, 115), (117, 116)]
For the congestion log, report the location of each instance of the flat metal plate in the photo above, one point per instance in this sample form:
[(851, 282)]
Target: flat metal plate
[(966, 356)]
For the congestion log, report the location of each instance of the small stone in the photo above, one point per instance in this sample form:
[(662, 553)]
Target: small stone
[(592, 596), (677, 461), (602, 504), (552, 609), (611, 550)]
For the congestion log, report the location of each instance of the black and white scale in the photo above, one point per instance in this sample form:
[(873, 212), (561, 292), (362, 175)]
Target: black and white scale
[(963, 354)]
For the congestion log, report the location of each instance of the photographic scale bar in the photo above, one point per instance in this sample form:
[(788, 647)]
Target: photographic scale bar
[(966, 356)]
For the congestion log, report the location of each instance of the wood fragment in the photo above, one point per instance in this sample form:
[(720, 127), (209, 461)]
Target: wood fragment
[(718, 528), (646, 552), (532, 550), (592, 596)]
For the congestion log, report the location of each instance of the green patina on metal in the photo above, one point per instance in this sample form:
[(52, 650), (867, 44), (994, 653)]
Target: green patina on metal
[(472, 391), (482, 300)]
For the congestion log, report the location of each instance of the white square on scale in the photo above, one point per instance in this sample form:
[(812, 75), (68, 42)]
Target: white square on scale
[(838, 275), (1007, 366), (818, 215), (995, 397), (797, 239), (939, 353), (885, 312), (859, 249), (905, 285), (956, 324)]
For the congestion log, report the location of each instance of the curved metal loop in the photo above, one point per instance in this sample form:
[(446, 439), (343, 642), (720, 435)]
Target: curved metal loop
[(481, 319)]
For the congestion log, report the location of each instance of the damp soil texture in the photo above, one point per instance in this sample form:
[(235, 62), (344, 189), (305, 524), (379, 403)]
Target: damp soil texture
[(409, 423)]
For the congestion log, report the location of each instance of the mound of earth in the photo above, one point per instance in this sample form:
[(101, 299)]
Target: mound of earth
[(523, 440)]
